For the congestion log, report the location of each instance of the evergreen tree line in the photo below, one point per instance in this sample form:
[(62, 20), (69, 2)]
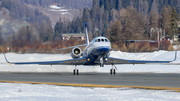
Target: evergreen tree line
[(141, 15), (78, 4), (136, 26), (141, 5), (18, 10), (34, 32)]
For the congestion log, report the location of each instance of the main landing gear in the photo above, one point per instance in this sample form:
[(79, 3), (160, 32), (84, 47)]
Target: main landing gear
[(113, 71), (76, 71)]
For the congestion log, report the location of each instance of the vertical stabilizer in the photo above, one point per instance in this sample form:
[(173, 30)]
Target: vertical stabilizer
[(86, 34)]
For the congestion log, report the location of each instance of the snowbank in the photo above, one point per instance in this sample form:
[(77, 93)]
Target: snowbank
[(158, 55), (29, 92)]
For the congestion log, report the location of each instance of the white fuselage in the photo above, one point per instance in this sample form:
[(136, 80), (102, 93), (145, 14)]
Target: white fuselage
[(99, 47)]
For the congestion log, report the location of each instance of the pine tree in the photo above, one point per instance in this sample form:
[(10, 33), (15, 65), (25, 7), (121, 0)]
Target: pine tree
[(50, 32), (173, 22), (43, 31), (28, 33), (115, 34), (1, 40), (101, 3), (58, 30), (153, 25), (119, 5), (164, 20), (132, 27)]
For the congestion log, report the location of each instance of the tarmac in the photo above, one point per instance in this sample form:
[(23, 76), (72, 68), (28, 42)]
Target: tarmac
[(120, 79)]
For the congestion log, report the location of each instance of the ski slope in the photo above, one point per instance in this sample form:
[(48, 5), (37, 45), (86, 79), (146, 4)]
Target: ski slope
[(158, 55)]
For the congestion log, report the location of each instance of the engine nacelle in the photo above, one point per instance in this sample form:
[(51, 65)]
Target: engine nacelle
[(76, 52)]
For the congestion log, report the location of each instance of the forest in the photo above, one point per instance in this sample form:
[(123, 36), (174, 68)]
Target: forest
[(119, 20)]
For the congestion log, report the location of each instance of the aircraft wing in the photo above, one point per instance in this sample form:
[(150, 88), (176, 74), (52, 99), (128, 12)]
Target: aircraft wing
[(78, 61), (111, 60)]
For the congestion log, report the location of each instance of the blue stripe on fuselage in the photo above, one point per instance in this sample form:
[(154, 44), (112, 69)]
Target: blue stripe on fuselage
[(96, 54)]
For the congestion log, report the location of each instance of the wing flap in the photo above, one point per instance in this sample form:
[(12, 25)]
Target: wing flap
[(111, 60), (79, 61)]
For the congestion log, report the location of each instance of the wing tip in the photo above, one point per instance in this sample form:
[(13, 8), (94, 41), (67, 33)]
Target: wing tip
[(175, 55), (6, 58)]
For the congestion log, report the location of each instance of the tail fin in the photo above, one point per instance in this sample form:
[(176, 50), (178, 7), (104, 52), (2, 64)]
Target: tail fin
[(86, 34)]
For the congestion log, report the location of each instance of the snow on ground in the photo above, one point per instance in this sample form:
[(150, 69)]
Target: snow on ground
[(29, 92), (61, 10), (57, 8), (158, 55), (64, 13)]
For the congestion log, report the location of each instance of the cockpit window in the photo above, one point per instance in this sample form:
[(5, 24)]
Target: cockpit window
[(101, 40)]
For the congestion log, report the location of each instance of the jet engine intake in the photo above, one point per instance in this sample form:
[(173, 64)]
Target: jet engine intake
[(76, 52)]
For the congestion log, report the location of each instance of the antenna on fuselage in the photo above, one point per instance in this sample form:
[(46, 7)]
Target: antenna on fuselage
[(86, 34)]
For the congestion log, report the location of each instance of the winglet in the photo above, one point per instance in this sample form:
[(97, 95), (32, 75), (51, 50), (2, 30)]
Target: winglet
[(86, 34), (6, 59), (175, 55)]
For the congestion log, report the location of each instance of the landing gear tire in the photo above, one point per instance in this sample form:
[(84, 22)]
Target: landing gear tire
[(76, 72), (112, 71)]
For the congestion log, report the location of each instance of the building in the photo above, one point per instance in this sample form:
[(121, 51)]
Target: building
[(67, 36), (152, 43)]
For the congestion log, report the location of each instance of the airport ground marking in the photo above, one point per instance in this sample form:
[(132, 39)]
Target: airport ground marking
[(97, 85)]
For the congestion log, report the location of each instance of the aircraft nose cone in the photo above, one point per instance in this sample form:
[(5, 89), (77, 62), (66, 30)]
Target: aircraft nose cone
[(101, 50), (104, 49)]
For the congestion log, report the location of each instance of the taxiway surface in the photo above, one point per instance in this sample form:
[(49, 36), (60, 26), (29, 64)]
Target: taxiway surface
[(126, 79)]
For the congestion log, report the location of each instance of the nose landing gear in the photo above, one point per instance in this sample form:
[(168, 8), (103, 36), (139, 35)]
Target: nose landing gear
[(102, 60)]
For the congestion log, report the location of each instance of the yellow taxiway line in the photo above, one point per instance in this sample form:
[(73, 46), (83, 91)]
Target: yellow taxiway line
[(98, 86)]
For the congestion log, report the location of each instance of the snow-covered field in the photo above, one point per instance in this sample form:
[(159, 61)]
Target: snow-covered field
[(158, 55), (29, 92)]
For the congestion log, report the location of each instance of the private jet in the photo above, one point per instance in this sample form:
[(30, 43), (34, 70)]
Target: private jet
[(96, 52)]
